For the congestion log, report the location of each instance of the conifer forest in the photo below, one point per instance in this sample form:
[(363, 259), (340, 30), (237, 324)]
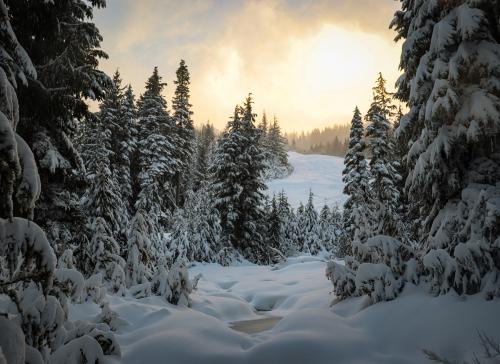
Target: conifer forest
[(310, 181)]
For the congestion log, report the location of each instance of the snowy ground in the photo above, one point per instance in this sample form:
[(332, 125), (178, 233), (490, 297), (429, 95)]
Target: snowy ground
[(309, 331), (292, 305), (321, 173)]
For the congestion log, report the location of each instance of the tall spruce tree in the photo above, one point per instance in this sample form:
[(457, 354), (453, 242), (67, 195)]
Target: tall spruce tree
[(64, 46), (356, 215), (156, 143), (34, 322), (237, 184), (384, 177), (451, 67), (308, 223), (205, 145), (127, 133), (185, 130)]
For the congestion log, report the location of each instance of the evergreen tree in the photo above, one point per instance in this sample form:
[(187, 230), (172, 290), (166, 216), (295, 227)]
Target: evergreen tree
[(356, 177), (237, 184), (103, 255), (64, 47), (103, 197), (289, 226), (196, 230), (185, 129), (326, 230), (205, 145), (274, 233), (308, 224), (156, 145), (275, 144), (384, 177), (118, 113), (451, 133), (34, 297), (139, 262)]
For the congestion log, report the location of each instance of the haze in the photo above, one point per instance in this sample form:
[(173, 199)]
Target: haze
[(307, 61)]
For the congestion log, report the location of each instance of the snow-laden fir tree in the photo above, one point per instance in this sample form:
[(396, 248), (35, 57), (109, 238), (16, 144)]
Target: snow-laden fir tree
[(184, 128), (64, 46), (34, 296), (326, 230), (205, 145), (103, 196), (308, 225), (451, 72), (156, 162), (103, 253), (157, 140), (277, 159), (138, 266), (356, 220), (274, 239), (237, 183), (384, 178), (196, 232), (118, 113)]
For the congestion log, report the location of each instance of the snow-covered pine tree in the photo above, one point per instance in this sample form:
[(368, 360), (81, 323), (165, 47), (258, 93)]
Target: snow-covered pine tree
[(205, 145), (278, 145), (103, 196), (237, 184), (356, 214), (138, 265), (103, 255), (308, 225), (289, 226), (196, 230), (64, 46), (118, 113), (157, 160), (264, 134), (185, 130), (33, 305), (451, 72), (264, 128), (337, 226), (274, 233), (326, 230), (384, 177)]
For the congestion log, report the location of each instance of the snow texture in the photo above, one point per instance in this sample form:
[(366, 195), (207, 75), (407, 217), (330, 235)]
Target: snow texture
[(320, 173)]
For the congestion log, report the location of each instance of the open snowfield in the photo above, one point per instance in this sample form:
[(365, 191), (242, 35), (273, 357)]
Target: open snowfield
[(321, 173), (309, 331)]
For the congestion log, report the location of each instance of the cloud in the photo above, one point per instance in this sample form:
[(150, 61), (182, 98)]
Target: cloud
[(288, 53)]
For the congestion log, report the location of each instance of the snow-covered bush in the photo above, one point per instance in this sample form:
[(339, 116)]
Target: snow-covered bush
[(179, 285), (377, 281), (343, 279), (109, 317), (94, 289)]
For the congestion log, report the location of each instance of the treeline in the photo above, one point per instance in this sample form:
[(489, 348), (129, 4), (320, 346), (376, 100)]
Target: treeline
[(425, 208), (331, 140)]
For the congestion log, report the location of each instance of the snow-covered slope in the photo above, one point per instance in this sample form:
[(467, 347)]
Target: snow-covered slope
[(309, 331), (321, 173)]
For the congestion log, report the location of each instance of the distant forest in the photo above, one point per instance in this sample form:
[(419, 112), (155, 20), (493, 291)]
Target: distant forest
[(332, 140)]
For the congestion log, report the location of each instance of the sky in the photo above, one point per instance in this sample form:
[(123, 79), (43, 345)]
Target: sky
[(309, 62)]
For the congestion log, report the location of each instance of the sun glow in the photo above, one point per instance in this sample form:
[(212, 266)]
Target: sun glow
[(327, 73)]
